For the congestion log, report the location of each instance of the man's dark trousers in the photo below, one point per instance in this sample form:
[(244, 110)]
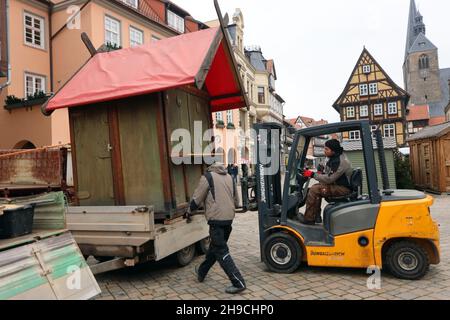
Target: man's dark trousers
[(218, 251)]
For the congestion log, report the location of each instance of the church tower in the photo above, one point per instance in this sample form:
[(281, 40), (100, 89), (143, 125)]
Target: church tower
[(421, 67)]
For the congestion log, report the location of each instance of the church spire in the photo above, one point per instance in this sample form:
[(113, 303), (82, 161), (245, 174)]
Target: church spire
[(415, 26)]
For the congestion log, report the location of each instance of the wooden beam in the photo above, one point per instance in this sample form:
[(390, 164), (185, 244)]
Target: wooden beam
[(88, 43), (74, 154), (164, 156)]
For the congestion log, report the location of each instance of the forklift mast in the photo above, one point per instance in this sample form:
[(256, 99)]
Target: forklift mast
[(268, 174)]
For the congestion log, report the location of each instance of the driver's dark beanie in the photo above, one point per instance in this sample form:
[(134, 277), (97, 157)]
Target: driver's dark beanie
[(335, 146)]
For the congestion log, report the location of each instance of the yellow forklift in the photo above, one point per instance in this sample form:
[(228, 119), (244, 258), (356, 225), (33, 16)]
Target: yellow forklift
[(386, 228)]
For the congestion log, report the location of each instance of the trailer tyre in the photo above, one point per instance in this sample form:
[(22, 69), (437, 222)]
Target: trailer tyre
[(407, 260), (282, 253), (202, 246), (103, 259), (185, 256)]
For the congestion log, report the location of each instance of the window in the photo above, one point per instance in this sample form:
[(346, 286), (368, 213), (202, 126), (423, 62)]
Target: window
[(350, 112), (373, 88), (367, 69), (34, 30), (392, 108), (155, 39), (261, 95), (219, 117), (34, 84), (364, 111), (424, 62), (355, 135), (389, 130), (175, 21), (229, 117), (132, 3), (363, 91), (136, 37), (378, 109), (112, 31), (373, 129)]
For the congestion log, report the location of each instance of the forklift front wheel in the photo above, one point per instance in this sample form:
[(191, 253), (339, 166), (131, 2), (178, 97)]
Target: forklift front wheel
[(282, 253)]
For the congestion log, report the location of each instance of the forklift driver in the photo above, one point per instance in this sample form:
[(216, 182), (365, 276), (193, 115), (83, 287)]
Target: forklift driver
[(333, 182)]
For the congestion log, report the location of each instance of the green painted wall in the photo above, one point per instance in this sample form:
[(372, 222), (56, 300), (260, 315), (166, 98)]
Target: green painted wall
[(357, 160)]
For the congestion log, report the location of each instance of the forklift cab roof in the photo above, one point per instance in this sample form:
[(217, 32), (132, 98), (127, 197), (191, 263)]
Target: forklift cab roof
[(334, 128)]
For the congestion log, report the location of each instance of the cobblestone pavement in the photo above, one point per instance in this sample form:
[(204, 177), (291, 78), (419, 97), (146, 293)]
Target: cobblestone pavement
[(164, 280)]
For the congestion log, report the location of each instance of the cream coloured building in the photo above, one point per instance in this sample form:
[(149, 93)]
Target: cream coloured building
[(258, 75)]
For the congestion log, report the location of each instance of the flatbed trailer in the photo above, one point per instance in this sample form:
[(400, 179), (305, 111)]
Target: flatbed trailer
[(121, 237)]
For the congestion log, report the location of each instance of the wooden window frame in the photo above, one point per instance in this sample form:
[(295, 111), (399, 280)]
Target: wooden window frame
[(119, 33), (135, 31), (366, 107), (41, 30), (350, 110), (375, 110), (34, 77), (363, 90), (390, 104)]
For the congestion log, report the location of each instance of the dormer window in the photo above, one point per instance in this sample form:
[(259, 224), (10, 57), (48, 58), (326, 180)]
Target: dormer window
[(175, 21), (132, 3)]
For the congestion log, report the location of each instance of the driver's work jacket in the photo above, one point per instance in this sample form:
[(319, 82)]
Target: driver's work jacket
[(340, 177)]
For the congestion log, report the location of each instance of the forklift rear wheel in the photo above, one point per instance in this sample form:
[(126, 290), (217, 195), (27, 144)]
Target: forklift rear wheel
[(282, 253), (203, 245), (407, 260), (185, 256)]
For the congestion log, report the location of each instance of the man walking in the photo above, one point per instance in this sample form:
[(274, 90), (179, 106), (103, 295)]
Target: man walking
[(217, 191)]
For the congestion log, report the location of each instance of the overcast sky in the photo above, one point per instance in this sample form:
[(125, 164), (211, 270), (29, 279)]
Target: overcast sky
[(316, 43)]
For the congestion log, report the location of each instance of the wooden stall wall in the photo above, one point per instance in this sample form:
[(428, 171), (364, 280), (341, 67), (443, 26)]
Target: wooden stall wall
[(430, 163), (122, 150)]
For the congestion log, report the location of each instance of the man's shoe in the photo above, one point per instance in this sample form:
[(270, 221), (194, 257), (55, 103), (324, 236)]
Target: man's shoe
[(303, 220), (200, 278), (234, 290)]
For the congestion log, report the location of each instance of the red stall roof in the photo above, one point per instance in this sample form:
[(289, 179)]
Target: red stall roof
[(200, 58)]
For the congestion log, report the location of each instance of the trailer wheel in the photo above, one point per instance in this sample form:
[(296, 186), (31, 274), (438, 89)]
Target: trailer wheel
[(103, 259), (185, 256), (407, 260), (202, 246), (282, 253)]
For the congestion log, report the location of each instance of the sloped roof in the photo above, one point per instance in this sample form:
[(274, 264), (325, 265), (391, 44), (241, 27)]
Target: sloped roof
[(356, 145), (398, 89), (422, 43), (257, 60), (431, 132), (197, 58), (418, 113), (437, 120)]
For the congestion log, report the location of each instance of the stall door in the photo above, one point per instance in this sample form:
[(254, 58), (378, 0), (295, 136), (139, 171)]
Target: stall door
[(140, 153), (90, 132)]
